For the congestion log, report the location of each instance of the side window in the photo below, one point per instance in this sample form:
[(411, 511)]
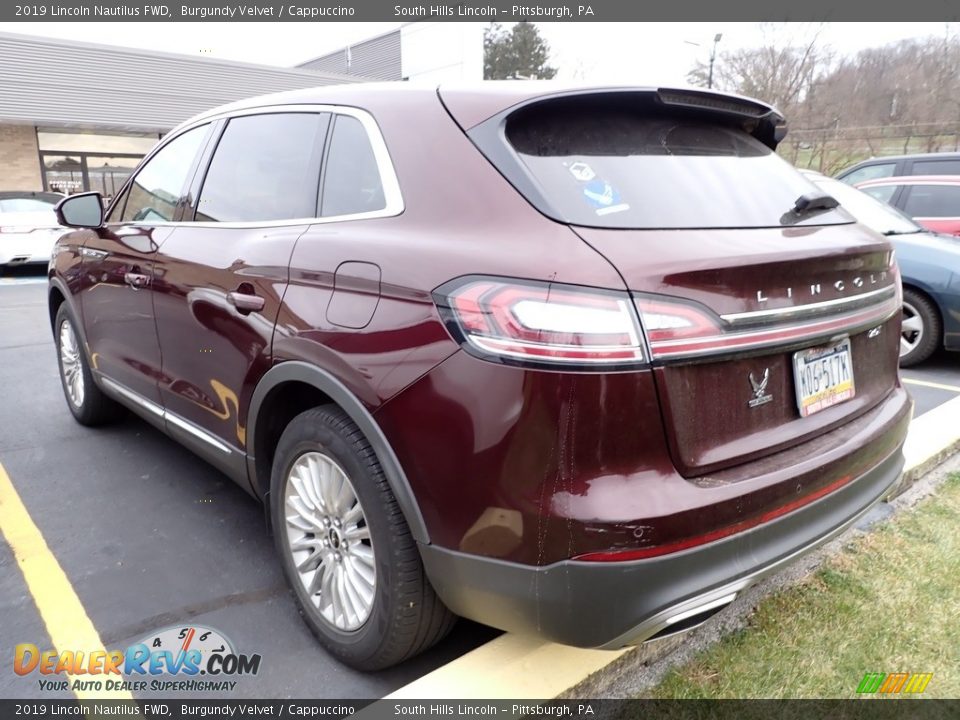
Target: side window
[(155, 190), (933, 201), (935, 167), (870, 172), (351, 179), (265, 167), (883, 193)]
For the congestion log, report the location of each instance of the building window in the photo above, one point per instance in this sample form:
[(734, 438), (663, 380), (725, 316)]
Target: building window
[(73, 162)]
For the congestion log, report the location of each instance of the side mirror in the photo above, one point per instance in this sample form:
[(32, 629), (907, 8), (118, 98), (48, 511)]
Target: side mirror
[(81, 211)]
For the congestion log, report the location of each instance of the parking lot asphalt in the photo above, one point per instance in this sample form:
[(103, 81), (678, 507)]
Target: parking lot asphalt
[(150, 536)]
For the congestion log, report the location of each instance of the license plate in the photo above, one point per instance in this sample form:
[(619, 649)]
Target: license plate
[(823, 377)]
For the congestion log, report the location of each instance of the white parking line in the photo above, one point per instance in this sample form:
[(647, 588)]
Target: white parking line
[(22, 281), (927, 383)]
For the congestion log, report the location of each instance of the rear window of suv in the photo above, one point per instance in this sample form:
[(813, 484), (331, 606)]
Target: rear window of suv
[(604, 166)]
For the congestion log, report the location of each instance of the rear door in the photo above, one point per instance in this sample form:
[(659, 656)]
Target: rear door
[(221, 276), (766, 323)]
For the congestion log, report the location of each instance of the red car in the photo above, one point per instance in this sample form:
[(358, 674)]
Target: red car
[(582, 362), (931, 200)]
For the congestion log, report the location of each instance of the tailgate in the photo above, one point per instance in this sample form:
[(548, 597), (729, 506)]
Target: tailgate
[(739, 391)]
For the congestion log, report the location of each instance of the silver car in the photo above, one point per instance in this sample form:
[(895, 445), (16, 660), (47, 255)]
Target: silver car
[(28, 227)]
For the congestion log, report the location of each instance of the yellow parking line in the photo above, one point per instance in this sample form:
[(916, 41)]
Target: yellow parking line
[(927, 383), (67, 623)]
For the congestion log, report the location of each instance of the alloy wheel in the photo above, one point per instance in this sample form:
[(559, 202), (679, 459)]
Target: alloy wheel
[(329, 541), (911, 332), (71, 364)]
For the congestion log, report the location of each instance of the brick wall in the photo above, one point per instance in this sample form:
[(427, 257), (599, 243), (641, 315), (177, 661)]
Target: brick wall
[(19, 161)]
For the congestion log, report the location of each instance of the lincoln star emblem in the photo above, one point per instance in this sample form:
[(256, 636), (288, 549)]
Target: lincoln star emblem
[(760, 396)]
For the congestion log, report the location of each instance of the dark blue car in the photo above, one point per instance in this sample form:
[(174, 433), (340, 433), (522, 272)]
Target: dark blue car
[(929, 264)]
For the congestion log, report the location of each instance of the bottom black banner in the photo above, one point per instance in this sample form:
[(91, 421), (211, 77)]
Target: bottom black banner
[(874, 708)]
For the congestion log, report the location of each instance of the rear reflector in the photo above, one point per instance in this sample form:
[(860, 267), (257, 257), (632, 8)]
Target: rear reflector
[(713, 535)]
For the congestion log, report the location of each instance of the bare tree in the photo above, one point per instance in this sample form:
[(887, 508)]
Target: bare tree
[(783, 70), (902, 97)]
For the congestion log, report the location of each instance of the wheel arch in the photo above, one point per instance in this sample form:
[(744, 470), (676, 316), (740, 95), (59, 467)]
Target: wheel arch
[(57, 294), (314, 386)]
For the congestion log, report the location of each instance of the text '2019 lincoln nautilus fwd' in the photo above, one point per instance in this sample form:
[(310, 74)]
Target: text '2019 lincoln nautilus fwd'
[(580, 362)]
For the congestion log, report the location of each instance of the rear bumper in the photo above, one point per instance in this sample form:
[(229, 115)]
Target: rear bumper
[(18, 250), (613, 604)]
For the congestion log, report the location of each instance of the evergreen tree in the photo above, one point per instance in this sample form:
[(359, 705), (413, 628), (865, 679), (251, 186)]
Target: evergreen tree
[(516, 53)]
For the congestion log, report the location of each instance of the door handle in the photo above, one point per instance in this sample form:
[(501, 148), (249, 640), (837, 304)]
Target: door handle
[(245, 301), (136, 280)]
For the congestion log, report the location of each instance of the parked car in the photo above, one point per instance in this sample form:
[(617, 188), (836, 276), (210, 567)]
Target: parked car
[(931, 200), (579, 362), (902, 165), (929, 267), (28, 227)]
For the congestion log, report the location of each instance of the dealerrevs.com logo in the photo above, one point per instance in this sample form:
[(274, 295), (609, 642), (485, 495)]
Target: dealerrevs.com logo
[(176, 659)]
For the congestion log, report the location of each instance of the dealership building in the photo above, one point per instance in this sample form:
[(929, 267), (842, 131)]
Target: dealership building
[(79, 116)]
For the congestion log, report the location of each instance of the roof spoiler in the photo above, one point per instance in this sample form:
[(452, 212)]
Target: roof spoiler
[(761, 120)]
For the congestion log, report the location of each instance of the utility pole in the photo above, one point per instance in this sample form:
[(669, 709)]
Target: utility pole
[(713, 56)]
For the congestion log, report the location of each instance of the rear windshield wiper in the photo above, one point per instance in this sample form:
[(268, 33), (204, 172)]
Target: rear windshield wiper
[(816, 200), (810, 202)]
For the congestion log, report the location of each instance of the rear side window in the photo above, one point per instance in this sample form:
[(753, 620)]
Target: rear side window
[(351, 178), (265, 168), (870, 172), (883, 193), (156, 188), (935, 167), (606, 166), (933, 201)]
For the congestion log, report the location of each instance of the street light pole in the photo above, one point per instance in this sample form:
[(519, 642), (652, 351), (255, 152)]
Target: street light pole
[(713, 56)]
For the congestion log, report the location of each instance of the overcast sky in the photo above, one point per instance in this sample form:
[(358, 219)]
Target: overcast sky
[(640, 52)]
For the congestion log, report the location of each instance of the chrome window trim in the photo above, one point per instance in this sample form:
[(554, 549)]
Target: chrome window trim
[(812, 309), (388, 176)]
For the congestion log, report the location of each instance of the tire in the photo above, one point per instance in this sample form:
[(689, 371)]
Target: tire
[(373, 606), (922, 329), (85, 399)]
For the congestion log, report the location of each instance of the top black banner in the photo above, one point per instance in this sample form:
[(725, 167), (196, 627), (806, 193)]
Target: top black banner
[(490, 11)]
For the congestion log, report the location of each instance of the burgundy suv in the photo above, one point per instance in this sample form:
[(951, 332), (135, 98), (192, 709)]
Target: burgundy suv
[(578, 362)]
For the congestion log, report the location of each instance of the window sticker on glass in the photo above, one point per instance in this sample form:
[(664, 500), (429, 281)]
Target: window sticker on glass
[(599, 194)]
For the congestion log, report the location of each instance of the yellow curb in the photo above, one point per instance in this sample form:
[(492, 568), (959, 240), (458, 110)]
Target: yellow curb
[(932, 437), (509, 667)]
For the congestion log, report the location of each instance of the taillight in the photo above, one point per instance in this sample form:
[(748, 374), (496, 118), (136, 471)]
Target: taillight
[(542, 323)]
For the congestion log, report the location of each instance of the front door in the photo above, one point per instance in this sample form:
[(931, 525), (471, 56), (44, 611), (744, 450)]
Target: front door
[(116, 296)]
